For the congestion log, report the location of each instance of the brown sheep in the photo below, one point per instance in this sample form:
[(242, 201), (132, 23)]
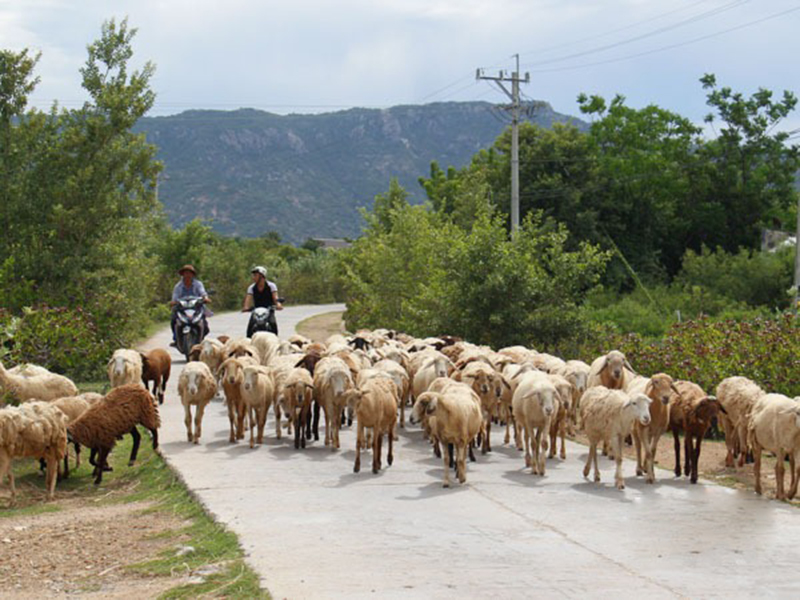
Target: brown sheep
[(375, 406), (774, 425), (611, 370), (659, 388), (296, 399), (156, 365), (738, 395), (116, 414), (483, 380), (691, 412)]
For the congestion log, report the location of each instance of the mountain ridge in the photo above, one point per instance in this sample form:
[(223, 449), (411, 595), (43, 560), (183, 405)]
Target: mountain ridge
[(249, 171)]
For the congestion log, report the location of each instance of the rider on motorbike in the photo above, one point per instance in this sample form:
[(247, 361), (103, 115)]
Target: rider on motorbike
[(261, 293), (187, 287)]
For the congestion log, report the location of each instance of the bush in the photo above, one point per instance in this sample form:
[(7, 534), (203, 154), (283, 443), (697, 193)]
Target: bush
[(706, 352), (63, 340)]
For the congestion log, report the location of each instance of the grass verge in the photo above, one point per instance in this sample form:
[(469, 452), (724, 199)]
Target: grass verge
[(204, 553), (320, 327)]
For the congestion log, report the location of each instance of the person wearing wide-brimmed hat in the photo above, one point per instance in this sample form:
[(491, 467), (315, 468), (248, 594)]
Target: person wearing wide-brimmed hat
[(188, 286)]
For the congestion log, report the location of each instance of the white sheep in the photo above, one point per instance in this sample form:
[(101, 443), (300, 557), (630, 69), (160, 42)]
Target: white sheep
[(258, 394), (124, 366), (484, 381), (558, 424), (534, 403), (433, 366), (332, 378), (774, 426), (400, 377), (577, 373), (268, 345), (196, 387), (35, 430), (738, 395), (39, 384), (607, 416), (453, 416)]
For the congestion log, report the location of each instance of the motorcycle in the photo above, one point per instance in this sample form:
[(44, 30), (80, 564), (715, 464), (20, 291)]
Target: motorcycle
[(263, 319), (190, 325)]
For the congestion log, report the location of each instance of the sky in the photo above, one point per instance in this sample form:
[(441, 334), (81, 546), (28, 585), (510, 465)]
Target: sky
[(312, 56)]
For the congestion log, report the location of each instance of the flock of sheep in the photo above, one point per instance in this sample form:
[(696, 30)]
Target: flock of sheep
[(457, 391)]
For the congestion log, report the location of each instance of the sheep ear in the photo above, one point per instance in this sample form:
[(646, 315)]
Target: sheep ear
[(629, 367), (648, 388), (605, 364), (431, 408), (675, 389)]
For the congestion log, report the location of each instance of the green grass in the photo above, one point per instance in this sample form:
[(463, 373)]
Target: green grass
[(150, 480)]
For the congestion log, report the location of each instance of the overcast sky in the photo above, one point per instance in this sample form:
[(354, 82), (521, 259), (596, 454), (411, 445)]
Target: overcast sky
[(307, 56)]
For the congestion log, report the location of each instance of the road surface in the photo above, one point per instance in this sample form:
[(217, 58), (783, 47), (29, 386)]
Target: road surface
[(314, 529)]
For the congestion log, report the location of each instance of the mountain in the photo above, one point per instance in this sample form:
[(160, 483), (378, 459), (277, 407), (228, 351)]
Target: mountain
[(249, 172)]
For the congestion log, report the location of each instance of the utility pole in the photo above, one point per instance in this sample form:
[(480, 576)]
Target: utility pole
[(797, 260), (514, 107)]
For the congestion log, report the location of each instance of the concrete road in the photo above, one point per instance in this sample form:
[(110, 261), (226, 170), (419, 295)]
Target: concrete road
[(313, 529)]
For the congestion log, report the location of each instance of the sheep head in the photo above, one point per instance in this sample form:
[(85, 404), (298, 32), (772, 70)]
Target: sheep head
[(660, 388), (640, 405)]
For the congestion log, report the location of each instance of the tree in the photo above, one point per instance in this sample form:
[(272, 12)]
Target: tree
[(748, 173), (82, 198)]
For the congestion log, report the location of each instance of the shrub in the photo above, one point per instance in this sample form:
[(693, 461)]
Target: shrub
[(63, 340)]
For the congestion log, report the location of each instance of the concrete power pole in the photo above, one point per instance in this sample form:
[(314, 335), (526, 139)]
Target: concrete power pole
[(514, 107)]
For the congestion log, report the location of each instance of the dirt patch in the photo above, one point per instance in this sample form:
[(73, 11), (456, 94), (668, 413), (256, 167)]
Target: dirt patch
[(712, 465), (321, 327), (84, 549)]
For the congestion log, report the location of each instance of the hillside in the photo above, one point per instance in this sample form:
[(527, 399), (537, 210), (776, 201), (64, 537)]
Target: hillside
[(249, 172)]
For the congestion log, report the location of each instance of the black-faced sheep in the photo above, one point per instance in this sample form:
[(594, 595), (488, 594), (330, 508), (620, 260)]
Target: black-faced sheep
[(118, 413), (35, 430)]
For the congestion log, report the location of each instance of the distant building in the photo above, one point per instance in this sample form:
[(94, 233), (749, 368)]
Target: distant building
[(331, 242)]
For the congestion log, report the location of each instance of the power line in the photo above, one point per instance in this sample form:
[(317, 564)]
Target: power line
[(669, 47), (646, 35)]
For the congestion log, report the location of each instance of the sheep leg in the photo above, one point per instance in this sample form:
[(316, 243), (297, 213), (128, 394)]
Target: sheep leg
[(472, 451), (677, 452), (252, 419), (461, 463), (795, 472), (102, 455), (241, 413), (757, 466), (588, 466), (261, 415), (650, 449), (517, 432), (688, 453), (328, 433), (377, 438), (187, 421), (390, 456), (452, 454), (5, 469), (487, 445), (637, 443), (741, 429), (507, 439), (528, 461), (596, 468), (696, 459), (198, 422), (315, 428), (539, 453), (562, 430), (359, 441), (277, 409), (52, 476), (232, 422), (619, 481), (437, 450), (77, 455), (446, 461), (135, 448), (779, 472), (402, 414)]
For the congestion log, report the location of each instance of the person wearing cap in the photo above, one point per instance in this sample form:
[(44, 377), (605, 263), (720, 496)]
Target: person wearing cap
[(261, 292), (188, 286)]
